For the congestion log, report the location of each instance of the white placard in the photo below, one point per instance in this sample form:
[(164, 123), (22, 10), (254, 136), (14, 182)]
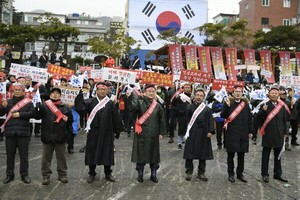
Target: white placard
[(37, 74), (266, 73), (119, 76), (237, 67), (253, 67), (68, 94)]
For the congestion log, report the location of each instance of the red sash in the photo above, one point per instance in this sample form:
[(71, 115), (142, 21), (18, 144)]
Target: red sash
[(235, 113), (176, 94), (56, 111), (137, 91), (144, 117), (15, 108), (286, 107), (36, 86), (270, 116)]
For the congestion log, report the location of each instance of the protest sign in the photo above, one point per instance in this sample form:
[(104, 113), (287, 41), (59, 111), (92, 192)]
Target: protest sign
[(37, 74)]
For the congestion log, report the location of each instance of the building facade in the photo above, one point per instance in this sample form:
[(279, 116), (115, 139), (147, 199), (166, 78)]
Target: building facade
[(265, 14), (6, 11)]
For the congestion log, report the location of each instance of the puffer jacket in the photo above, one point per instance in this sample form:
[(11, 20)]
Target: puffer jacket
[(52, 132), (18, 126)]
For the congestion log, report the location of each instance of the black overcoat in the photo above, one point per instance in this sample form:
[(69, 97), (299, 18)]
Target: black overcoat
[(237, 133), (198, 145), (275, 129), (100, 138)]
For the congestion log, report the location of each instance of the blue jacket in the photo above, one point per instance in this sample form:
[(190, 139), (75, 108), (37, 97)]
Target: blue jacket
[(76, 121)]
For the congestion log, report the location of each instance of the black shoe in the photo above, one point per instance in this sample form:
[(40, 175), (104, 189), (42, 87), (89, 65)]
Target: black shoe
[(265, 179), (188, 177), (46, 180), (26, 179), (171, 140), (82, 150), (140, 178), (8, 179), (128, 134), (219, 146), (231, 179), (90, 179), (279, 178), (154, 179), (242, 178), (110, 178), (179, 146), (295, 143), (70, 151), (202, 177)]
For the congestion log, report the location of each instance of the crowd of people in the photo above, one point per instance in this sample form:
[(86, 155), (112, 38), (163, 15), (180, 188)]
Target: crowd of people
[(147, 112)]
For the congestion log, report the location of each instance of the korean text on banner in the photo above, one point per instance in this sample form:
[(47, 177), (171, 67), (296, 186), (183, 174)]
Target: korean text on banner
[(191, 57), (231, 62), (118, 76), (37, 74), (175, 57), (217, 60)]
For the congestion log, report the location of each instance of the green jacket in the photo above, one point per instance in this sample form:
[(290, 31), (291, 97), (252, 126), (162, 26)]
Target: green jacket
[(146, 145)]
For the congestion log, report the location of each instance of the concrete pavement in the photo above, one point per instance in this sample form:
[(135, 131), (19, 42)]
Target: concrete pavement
[(171, 185)]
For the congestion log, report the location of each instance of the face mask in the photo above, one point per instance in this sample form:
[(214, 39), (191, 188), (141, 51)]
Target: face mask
[(158, 91)]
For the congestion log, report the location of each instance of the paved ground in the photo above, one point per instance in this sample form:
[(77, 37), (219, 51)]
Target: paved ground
[(171, 185)]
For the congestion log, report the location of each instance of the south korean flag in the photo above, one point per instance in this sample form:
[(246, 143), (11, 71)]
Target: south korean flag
[(147, 19)]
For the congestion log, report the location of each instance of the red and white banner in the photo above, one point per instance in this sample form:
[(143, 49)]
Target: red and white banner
[(58, 71), (286, 67), (266, 65), (157, 78), (217, 60), (249, 57), (231, 62), (204, 59), (195, 76), (175, 57), (297, 55), (218, 84), (191, 57)]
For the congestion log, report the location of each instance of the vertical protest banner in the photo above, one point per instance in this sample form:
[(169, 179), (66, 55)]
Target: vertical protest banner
[(297, 55), (231, 62), (37, 74), (175, 57), (217, 60), (286, 67), (266, 65), (204, 59), (191, 57)]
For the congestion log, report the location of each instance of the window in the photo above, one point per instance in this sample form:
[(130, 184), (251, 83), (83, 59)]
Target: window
[(286, 22), (265, 2), (264, 21), (286, 3), (246, 6)]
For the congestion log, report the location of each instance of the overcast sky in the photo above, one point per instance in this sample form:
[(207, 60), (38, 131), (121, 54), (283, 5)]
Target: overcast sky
[(111, 8)]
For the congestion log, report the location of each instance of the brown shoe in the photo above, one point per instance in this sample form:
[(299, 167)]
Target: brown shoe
[(202, 177), (63, 179)]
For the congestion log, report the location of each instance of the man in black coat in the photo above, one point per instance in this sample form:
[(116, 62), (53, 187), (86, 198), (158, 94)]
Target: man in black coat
[(57, 124), (238, 130), (16, 129), (273, 131), (198, 142), (103, 123)]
